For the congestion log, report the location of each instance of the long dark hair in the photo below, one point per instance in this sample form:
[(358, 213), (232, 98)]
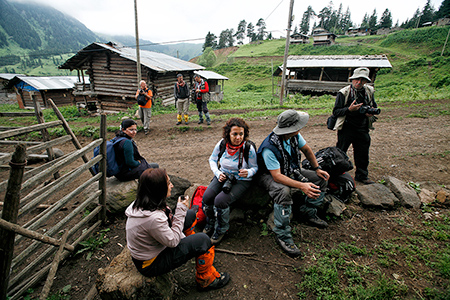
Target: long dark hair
[(235, 122), (152, 190)]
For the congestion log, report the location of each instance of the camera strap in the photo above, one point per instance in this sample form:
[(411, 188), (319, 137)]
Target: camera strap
[(241, 157)]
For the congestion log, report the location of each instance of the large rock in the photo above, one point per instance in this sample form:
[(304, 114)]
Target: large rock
[(376, 195), (119, 195), (121, 280), (406, 195)]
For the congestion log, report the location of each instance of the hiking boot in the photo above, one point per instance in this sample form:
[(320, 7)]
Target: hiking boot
[(186, 122), (208, 122), (217, 283), (317, 222), (290, 249), (200, 122), (209, 230), (365, 181), (178, 123), (146, 131), (216, 238)]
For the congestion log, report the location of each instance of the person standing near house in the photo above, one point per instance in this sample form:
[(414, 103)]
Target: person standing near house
[(279, 160), (351, 105), (145, 110), (181, 93), (201, 94)]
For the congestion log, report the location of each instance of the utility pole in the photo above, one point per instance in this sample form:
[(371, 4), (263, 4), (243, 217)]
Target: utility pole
[(286, 51), (138, 54)]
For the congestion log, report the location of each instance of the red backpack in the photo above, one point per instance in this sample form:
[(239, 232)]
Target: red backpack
[(197, 198)]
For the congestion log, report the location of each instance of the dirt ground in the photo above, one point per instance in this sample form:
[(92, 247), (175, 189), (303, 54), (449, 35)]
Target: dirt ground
[(409, 148)]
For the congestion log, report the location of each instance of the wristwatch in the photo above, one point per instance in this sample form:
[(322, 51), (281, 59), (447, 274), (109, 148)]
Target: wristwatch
[(316, 168)]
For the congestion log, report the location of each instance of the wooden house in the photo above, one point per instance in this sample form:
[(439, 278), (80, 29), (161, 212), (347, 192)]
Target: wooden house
[(5, 78), (58, 88), (298, 38), (112, 74), (214, 80), (327, 73), (322, 37), (357, 31)]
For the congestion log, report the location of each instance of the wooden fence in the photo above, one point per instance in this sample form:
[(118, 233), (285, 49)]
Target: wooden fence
[(26, 254)]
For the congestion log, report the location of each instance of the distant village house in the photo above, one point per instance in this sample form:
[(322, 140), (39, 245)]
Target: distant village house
[(322, 37), (327, 73), (215, 84), (298, 38), (57, 88)]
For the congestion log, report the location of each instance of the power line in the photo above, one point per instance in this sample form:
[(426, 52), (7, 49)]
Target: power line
[(95, 50)]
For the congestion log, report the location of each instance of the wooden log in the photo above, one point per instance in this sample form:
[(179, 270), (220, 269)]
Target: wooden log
[(16, 294), (17, 114), (102, 180), (54, 267), (48, 213), (34, 171), (20, 258), (10, 213), (69, 131), (32, 234), (38, 179), (40, 195), (22, 130), (18, 142), (43, 256), (39, 147)]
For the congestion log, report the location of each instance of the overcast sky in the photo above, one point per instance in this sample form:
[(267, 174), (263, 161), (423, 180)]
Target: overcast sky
[(173, 20)]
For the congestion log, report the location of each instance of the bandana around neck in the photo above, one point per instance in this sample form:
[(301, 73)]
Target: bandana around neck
[(231, 150)]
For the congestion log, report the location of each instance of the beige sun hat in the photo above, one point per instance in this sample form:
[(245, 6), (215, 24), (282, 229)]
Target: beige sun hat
[(290, 121), (361, 73)]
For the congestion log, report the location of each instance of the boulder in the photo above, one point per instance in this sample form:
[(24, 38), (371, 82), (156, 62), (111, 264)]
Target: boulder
[(426, 196), (121, 280), (406, 195), (376, 195), (118, 194), (335, 206)]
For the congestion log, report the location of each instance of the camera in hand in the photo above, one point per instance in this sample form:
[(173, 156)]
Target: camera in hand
[(366, 109), (182, 198), (226, 188), (298, 176)]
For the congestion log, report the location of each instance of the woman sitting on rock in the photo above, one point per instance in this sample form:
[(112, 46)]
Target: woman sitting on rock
[(160, 241), (127, 154), (233, 162)]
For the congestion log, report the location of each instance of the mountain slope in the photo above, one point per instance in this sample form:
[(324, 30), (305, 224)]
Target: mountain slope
[(33, 26)]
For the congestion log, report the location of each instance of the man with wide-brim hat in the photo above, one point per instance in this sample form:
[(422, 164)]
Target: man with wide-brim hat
[(355, 107), (279, 159)]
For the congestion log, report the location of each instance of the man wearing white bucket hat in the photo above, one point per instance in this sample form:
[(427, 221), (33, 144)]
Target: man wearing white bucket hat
[(355, 105), (279, 158)]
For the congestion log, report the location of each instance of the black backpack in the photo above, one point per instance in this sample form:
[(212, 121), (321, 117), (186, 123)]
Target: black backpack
[(141, 100), (341, 186), (247, 146), (331, 159)]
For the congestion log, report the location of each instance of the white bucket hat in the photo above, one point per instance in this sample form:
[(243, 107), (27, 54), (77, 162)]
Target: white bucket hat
[(361, 73), (290, 121)]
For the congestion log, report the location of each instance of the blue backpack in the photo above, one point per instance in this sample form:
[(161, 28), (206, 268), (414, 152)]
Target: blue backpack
[(112, 167)]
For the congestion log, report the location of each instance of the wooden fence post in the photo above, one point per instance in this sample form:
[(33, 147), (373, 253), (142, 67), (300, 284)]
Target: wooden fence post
[(44, 131), (102, 180), (10, 213)]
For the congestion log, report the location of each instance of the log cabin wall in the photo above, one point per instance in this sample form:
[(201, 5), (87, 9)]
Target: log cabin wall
[(114, 80)]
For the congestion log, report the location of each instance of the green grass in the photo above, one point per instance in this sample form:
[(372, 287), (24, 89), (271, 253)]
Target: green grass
[(360, 271)]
